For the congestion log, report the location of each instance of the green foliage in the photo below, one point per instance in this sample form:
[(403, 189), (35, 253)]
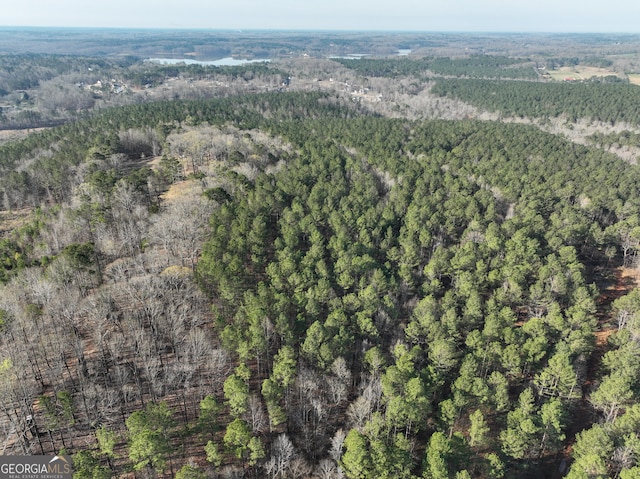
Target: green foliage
[(12, 259), (592, 449), (219, 195), (376, 453), (483, 66), (149, 436), (208, 418), (107, 439), (532, 431), (66, 404), (236, 392), (610, 103), (52, 176), (81, 255), (520, 437), (58, 409), (273, 393), (483, 257), (443, 263), (558, 379), (391, 68), (87, 466), (606, 140), (438, 457), (476, 66), (190, 472), (4, 317), (284, 366), (151, 73), (256, 451), (213, 454), (404, 391), (495, 466), (356, 460), (237, 437), (478, 429)]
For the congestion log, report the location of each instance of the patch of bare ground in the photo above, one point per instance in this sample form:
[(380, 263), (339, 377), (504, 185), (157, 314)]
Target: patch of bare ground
[(181, 189), (17, 134), (623, 280)]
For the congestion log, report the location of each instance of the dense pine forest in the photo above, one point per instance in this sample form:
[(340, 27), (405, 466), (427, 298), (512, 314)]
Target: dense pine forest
[(297, 271)]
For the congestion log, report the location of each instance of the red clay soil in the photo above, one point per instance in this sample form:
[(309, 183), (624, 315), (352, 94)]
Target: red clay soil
[(625, 279)]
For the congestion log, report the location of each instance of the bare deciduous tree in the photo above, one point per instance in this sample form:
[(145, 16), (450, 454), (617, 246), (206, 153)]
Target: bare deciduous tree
[(282, 455), (256, 416), (180, 228), (337, 441)]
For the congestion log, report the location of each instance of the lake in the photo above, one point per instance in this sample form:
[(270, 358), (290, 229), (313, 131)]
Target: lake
[(223, 62)]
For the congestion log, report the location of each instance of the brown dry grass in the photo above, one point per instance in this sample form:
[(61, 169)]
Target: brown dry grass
[(602, 337), (632, 273), (579, 73), (11, 135), (634, 78), (181, 189)]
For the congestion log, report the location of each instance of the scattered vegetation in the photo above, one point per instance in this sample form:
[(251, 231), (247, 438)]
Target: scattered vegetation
[(288, 284)]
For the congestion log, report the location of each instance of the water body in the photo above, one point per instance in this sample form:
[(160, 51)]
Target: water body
[(223, 62), (351, 56), (402, 52)]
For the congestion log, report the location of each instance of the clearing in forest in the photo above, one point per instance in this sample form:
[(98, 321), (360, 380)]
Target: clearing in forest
[(579, 72), (626, 279), (181, 189), (634, 78)]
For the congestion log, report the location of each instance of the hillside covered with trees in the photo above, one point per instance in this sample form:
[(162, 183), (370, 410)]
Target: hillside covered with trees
[(306, 283)]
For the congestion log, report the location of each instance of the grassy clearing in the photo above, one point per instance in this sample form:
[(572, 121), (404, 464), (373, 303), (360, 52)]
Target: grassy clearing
[(579, 73), (12, 135), (181, 189), (634, 78)]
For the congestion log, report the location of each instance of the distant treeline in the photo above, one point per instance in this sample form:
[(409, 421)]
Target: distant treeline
[(591, 61), (26, 71), (594, 100), (150, 73), (477, 66)]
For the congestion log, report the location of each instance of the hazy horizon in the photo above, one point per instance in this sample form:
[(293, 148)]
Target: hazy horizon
[(460, 16), (317, 30)]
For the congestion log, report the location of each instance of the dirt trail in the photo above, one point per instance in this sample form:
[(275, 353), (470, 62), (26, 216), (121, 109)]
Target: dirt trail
[(626, 279), (623, 281)]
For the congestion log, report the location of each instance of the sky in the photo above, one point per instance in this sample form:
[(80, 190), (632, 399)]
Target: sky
[(589, 16)]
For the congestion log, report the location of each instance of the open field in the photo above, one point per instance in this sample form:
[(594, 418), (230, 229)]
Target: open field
[(634, 78), (579, 73), (11, 135)]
